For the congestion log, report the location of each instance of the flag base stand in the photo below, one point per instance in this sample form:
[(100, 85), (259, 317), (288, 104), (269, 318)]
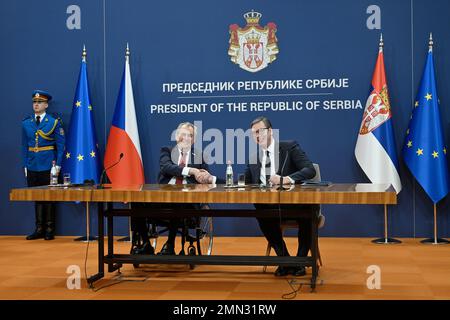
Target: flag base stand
[(386, 241), (88, 237), (435, 241), (125, 239)]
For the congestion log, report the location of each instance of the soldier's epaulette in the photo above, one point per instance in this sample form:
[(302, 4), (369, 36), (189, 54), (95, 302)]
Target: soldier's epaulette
[(26, 118)]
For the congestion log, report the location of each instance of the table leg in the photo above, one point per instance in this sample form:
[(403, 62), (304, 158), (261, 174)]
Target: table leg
[(314, 249), (110, 221), (101, 252), (110, 226)]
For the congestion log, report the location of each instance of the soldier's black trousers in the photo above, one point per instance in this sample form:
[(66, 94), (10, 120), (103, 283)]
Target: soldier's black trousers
[(45, 211)]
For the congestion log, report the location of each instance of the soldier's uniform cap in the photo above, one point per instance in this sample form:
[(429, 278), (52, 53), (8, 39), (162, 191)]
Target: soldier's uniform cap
[(40, 95)]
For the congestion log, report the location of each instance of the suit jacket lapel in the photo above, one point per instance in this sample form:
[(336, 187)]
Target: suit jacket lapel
[(175, 154)]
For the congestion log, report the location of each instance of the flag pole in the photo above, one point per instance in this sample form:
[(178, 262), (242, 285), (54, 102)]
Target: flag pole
[(127, 238), (386, 239), (88, 237), (435, 240)]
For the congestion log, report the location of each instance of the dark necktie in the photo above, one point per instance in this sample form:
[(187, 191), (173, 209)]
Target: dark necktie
[(38, 120), (182, 165), (267, 159), (267, 167)]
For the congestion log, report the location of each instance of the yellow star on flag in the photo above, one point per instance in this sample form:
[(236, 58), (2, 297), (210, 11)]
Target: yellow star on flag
[(80, 157), (67, 155), (419, 152), (90, 107), (445, 150), (416, 104), (407, 131), (435, 154), (409, 144), (78, 103), (92, 154), (428, 96)]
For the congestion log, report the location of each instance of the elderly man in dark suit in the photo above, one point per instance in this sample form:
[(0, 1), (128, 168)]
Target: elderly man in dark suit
[(180, 164), (278, 159)]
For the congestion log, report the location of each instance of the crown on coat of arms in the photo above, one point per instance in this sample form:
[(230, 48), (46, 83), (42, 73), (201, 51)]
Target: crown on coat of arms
[(253, 38), (252, 17)]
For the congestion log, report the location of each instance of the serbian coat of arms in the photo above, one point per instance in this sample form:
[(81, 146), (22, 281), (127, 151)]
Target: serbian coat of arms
[(377, 111), (253, 47)]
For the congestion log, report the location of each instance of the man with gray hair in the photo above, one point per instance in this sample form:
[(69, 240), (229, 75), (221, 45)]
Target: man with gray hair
[(179, 164)]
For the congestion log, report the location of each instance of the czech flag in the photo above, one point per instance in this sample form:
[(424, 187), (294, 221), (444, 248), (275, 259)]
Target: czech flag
[(124, 137), (375, 148)]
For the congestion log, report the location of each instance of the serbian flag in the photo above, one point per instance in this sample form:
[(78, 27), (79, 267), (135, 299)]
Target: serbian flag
[(124, 137), (375, 148)]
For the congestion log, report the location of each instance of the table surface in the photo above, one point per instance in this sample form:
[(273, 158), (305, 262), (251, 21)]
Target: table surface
[(359, 193)]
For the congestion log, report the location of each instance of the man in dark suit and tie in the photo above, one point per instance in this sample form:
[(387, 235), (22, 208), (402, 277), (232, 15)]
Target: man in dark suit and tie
[(180, 164), (274, 160)]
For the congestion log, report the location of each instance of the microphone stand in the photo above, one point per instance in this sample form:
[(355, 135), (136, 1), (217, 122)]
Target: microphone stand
[(281, 172), (100, 186)]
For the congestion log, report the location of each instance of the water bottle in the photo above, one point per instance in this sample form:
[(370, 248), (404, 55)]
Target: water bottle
[(229, 175), (53, 174)]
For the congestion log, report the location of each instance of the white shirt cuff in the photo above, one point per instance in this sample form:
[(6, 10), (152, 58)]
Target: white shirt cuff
[(291, 180), (214, 178), (185, 171)]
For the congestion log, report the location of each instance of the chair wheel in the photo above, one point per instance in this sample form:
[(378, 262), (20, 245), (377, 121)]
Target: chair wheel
[(192, 266), (191, 251), (136, 265)]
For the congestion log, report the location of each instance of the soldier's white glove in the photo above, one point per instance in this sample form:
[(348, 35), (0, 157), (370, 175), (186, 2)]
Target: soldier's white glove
[(25, 169)]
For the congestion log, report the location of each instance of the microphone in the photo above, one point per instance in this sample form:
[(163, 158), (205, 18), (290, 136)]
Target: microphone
[(100, 186), (282, 168)]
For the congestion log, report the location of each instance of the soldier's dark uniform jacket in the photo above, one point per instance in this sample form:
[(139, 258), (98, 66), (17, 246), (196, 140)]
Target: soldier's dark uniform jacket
[(43, 143)]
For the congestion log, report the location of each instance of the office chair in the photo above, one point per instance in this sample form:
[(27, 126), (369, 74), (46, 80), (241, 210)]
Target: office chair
[(292, 224)]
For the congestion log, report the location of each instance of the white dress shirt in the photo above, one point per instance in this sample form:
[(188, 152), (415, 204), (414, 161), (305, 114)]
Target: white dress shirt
[(40, 115), (185, 172), (271, 150), (272, 172)]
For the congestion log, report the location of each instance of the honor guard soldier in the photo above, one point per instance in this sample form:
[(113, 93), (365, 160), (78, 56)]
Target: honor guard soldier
[(42, 145)]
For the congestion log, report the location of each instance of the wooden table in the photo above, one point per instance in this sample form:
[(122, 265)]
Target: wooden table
[(333, 194)]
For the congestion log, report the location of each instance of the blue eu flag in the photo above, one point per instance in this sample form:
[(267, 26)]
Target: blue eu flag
[(81, 157), (425, 151)]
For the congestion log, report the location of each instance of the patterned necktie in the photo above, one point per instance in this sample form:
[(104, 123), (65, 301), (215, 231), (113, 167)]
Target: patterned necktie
[(38, 120), (182, 165)]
